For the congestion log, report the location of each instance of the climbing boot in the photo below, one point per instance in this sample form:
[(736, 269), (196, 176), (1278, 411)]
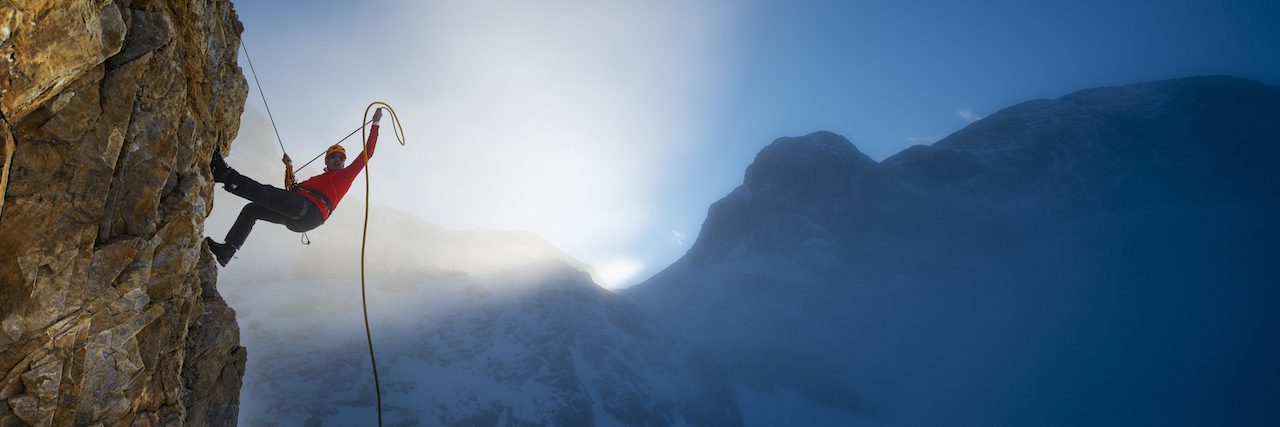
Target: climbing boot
[(221, 251), (221, 172)]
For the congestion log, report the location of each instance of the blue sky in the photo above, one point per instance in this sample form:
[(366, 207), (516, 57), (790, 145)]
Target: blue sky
[(609, 127)]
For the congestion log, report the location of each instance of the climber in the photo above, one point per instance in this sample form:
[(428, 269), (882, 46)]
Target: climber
[(302, 207)]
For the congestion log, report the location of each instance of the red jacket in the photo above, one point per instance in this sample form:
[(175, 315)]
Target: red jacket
[(334, 185)]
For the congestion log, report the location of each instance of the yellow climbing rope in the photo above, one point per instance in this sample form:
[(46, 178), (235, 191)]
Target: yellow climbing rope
[(364, 238)]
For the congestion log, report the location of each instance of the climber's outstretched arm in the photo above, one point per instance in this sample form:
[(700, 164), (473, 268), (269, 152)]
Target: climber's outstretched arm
[(358, 162)]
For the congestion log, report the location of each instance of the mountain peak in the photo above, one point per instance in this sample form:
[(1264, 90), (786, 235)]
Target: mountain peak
[(798, 164), (820, 176)]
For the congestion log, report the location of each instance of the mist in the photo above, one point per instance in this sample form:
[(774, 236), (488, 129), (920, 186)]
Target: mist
[(566, 118)]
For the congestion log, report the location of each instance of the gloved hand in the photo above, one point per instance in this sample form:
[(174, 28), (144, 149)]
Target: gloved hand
[(289, 181), (377, 115)]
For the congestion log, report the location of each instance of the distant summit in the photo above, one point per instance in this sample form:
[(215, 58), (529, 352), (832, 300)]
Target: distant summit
[(802, 167), (821, 178), (1100, 258)]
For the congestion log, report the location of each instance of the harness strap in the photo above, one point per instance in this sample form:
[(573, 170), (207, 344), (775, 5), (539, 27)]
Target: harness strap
[(320, 200)]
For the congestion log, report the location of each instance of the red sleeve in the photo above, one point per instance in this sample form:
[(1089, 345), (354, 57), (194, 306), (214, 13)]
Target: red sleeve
[(358, 162)]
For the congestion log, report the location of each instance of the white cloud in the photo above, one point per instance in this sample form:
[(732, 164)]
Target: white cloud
[(678, 236), (968, 115)]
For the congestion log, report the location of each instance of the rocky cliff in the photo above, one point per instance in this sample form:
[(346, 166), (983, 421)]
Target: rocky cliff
[(108, 304)]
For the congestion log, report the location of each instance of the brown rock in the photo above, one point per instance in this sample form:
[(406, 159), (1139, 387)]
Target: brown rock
[(49, 43), (213, 385), (109, 311), (6, 155)]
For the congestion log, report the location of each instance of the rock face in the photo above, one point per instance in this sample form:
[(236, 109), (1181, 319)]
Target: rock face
[(108, 303)]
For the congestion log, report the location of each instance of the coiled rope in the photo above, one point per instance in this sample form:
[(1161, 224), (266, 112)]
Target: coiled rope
[(398, 130)]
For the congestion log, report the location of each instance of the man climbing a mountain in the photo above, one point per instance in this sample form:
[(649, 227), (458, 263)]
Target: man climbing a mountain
[(301, 207)]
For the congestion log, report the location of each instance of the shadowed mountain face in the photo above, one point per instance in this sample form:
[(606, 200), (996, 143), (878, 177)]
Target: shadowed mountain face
[(1104, 257)]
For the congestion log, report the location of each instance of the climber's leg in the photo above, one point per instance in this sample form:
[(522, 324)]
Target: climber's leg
[(288, 203), (244, 223)]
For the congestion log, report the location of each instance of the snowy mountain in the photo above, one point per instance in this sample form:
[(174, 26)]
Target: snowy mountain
[(1101, 258)]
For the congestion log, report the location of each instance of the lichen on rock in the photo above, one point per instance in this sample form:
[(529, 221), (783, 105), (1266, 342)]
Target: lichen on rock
[(109, 311)]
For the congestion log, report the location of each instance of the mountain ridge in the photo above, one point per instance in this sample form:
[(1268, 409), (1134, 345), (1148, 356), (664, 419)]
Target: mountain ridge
[(1099, 218)]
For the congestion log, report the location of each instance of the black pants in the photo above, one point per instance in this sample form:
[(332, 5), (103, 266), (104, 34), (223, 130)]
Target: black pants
[(269, 204)]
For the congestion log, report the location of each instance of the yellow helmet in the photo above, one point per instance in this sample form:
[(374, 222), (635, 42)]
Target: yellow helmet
[(335, 149)]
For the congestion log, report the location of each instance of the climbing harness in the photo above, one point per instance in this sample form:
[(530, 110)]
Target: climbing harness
[(398, 130)]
